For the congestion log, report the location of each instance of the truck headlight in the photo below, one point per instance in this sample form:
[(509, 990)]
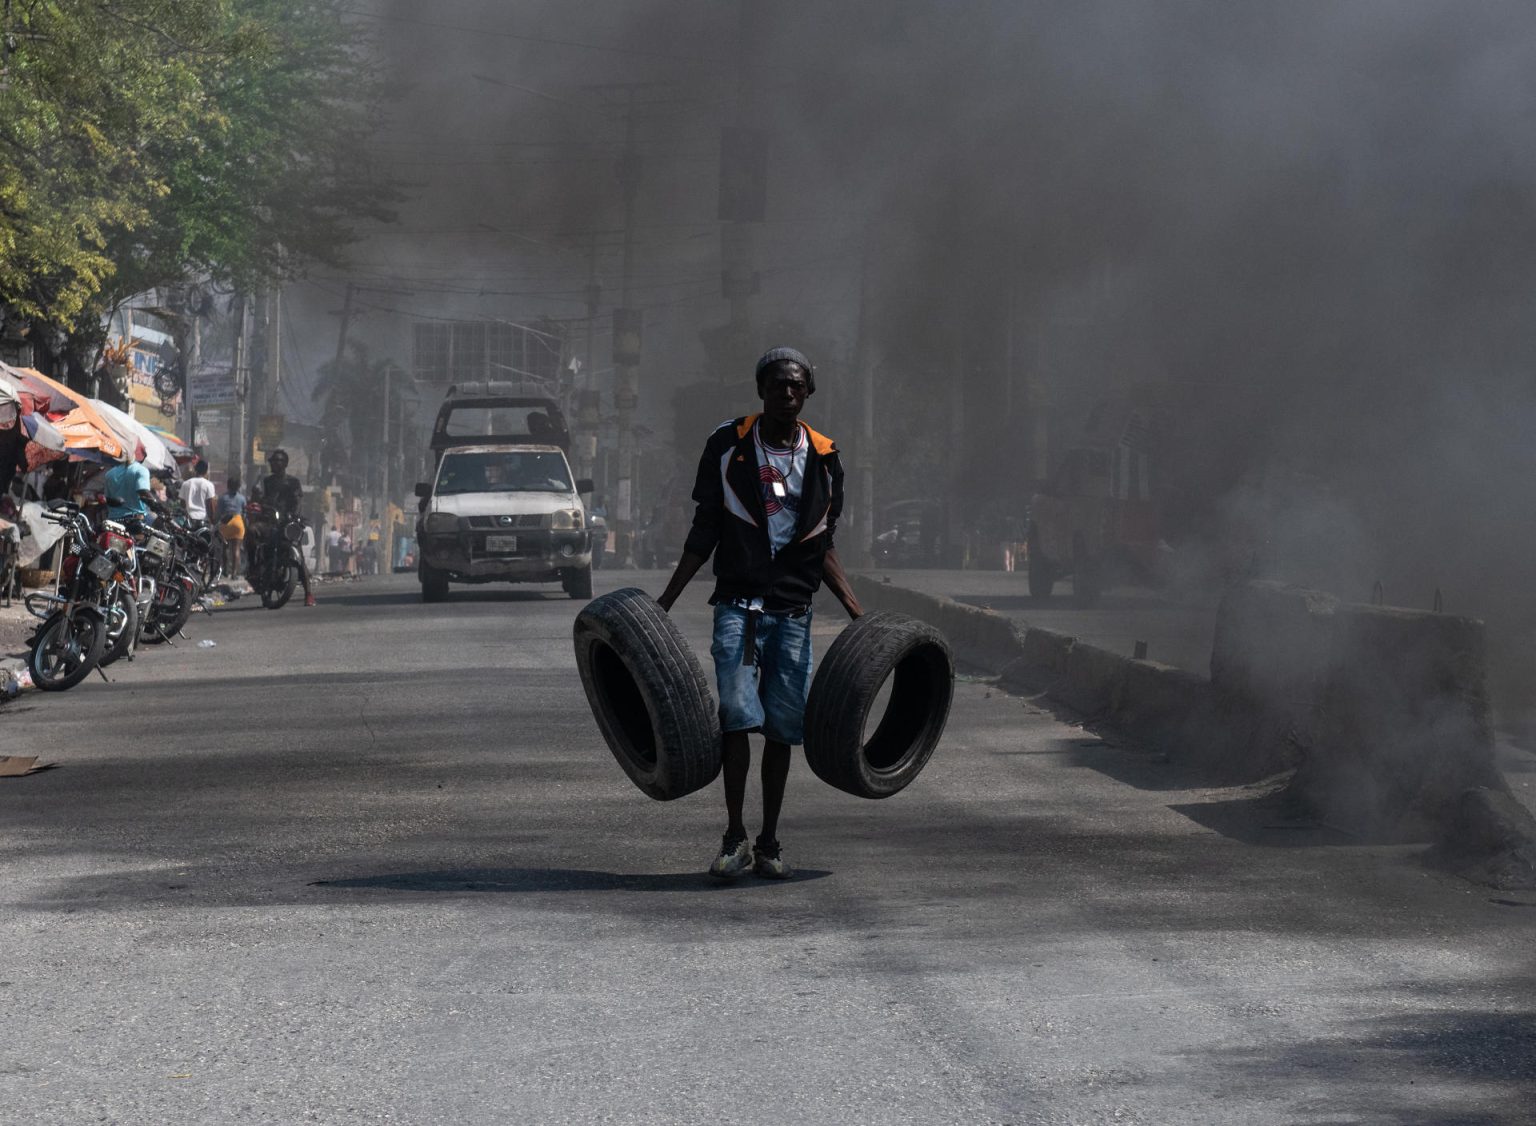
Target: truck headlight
[(442, 522), (566, 520)]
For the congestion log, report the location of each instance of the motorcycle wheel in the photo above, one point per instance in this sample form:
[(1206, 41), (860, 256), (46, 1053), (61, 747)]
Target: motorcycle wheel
[(64, 652), (120, 642), (189, 596), (277, 596), (167, 614)]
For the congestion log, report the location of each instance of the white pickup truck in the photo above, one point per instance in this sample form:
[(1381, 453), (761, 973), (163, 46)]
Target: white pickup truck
[(503, 512)]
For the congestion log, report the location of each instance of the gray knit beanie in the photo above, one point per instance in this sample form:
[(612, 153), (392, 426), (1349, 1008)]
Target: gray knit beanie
[(794, 356)]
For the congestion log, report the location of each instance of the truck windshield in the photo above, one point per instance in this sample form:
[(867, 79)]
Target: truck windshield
[(503, 471)]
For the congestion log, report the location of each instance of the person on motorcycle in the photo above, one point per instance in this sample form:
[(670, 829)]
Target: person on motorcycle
[(281, 495), (128, 490)]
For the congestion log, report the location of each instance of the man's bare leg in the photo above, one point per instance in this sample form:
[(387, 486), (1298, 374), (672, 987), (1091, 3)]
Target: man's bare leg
[(776, 758), (735, 762)]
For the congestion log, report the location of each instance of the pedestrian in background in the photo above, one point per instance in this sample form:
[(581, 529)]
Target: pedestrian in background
[(197, 493), (229, 510)]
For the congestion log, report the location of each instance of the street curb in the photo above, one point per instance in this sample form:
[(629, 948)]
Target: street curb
[(1291, 699), (979, 637)]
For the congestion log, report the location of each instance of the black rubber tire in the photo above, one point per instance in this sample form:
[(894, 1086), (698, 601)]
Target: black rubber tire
[(577, 582), (277, 599), (434, 584), (128, 638), (166, 614), (92, 633), (876, 646), (1042, 576), (189, 596), (650, 696)]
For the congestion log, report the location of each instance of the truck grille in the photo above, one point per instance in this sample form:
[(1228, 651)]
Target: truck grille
[(492, 523)]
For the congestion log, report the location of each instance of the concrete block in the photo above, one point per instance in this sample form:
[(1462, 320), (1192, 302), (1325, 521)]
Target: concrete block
[(1271, 644), (1091, 680), (1044, 658), (1400, 725), (1157, 702), (1490, 839), (979, 637)]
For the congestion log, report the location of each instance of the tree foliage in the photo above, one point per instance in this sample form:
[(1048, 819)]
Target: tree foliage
[(145, 142), (360, 436)]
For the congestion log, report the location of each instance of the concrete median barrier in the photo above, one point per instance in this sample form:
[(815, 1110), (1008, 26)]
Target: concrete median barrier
[(1380, 713), (1042, 661), (1490, 839), (979, 637), (1091, 680), (1386, 707)]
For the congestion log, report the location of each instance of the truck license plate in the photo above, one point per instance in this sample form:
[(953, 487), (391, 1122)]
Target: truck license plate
[(503, 544)]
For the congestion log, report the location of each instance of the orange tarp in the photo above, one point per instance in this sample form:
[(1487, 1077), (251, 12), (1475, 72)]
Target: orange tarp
[(82, 425)]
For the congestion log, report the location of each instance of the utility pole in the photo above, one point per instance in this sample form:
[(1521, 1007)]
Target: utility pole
[(194, 358), (743, 172), (389, 372), (864, 364), (626, 393), (588, 409), (239, 448), (274, 372), (627, 326), (341, 334)]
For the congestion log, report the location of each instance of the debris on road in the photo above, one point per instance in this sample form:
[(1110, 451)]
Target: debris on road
[(18, 766)]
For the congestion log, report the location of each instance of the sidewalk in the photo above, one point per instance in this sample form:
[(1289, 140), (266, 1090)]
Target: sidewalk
[(1176, 633)]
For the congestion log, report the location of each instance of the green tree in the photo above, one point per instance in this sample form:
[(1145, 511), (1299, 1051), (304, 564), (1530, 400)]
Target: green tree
[(147, 142)]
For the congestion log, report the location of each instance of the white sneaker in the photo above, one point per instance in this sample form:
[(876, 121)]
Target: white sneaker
[(767, 862), (734, 859)]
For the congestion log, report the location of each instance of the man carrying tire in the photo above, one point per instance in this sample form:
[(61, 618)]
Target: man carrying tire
[(767, 499)]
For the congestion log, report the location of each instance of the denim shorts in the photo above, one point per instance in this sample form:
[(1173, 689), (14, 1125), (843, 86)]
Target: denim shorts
[(767, 695)]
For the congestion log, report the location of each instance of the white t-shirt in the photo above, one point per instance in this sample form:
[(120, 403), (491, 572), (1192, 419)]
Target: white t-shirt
[(782, 474), (196, 492)]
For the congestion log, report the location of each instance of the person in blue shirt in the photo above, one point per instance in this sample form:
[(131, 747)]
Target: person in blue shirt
[(129, 484)]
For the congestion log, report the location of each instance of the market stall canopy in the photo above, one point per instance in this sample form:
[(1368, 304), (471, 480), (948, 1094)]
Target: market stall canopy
[(8, 391), (43, 432), (179, 450), (85, 432), (155, 455)]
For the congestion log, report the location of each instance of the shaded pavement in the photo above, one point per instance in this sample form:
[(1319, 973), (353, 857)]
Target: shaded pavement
[(370, 862)]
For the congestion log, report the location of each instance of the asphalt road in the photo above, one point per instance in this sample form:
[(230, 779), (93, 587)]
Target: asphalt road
[(370, 862)]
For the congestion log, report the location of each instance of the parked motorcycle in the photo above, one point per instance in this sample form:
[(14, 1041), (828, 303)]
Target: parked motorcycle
[(273, 546), (90, 607), (168, 582)]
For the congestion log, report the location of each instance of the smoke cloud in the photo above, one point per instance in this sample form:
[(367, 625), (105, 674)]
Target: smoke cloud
[(1298, 237)]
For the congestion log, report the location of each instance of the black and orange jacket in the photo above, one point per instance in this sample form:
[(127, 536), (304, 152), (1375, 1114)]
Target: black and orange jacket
[(730, 521)]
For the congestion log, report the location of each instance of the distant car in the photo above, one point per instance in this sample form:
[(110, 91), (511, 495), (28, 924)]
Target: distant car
[(503, 512), (909, 533)]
